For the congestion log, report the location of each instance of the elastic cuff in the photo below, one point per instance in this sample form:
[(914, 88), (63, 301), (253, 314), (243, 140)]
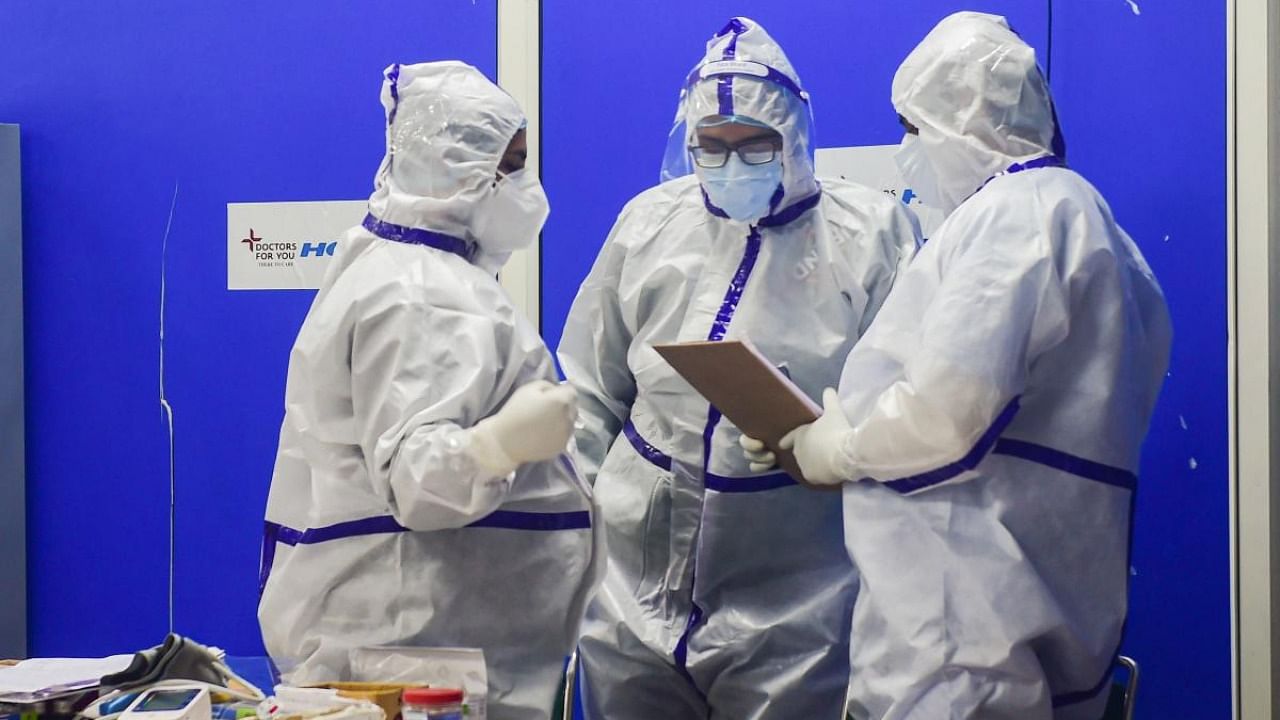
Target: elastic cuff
[(488, 454), (844, 463)]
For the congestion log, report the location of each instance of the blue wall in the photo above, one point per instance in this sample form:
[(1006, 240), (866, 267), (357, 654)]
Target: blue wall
[(244, 102), (120, 103), (1142, 100)]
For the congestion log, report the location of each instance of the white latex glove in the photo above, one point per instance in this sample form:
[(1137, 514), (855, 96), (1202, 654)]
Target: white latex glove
[(819, 446), (534, 425), (760, 457)]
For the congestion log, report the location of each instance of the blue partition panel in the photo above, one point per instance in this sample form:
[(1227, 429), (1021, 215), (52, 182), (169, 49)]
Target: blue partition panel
[(122, 106), (1141, 90)]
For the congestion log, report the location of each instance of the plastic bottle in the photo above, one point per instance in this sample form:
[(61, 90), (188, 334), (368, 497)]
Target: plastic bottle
[(432, 704)]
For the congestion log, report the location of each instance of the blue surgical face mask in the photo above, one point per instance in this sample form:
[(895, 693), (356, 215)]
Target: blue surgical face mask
[(742, 191)]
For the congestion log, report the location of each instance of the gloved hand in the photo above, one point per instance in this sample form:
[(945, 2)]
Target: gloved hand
[(819, 446), (760, 457), (534, 425)]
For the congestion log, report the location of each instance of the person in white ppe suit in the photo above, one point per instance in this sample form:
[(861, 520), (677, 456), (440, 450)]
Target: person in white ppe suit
[(727, 593), (992, 418), (423, 492)]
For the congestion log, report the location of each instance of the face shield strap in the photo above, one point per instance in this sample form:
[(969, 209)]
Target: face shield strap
[(418, 236), (724, 70), (721, 120)]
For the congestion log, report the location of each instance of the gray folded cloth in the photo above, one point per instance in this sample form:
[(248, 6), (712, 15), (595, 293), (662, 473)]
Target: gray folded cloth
[(178, 658)]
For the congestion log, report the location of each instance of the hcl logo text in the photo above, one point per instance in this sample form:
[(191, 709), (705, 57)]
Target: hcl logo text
[(319, 249)]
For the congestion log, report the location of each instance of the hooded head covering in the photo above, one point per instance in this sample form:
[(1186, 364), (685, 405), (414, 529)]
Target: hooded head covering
[(447, 129), (973, 89), (745, 73)]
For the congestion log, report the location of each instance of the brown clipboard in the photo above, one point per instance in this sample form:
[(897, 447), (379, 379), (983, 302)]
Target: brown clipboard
[(748, 390)]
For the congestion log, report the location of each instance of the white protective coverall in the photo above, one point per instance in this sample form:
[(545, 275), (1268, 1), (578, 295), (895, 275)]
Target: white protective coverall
[(998, 406), (727, 595), (381, 529)]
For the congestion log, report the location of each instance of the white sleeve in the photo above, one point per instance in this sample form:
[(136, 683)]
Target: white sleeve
[(593, 355), (1000, 304), (420, 377)]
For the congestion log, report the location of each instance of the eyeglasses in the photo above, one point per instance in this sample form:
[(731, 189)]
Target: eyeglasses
[(714, 154)]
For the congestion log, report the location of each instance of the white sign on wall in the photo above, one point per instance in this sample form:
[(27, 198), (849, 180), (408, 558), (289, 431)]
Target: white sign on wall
[(873, 166), (285, 246)]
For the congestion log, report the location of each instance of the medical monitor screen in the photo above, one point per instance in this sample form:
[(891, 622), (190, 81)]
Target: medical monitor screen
[(166, 700)]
